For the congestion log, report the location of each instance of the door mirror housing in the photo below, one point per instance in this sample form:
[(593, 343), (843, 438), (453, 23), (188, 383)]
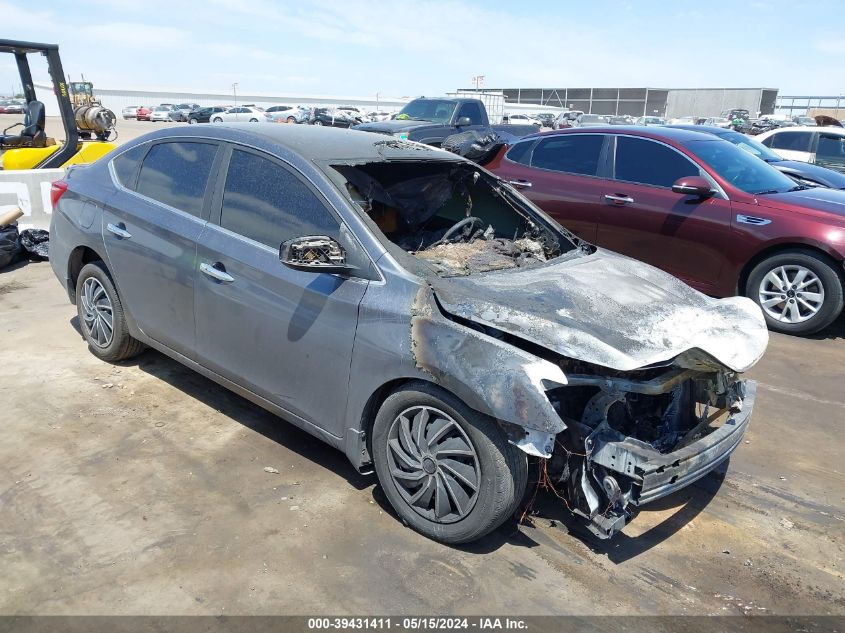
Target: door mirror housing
[(693, 186), (462, 121), (315, 253)]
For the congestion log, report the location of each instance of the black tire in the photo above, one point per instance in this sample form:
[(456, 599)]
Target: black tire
[(253, 120), (502, 472), (828, 277), (291, 119), (318, 122), (122, 345), (192, 121), (217, 119)]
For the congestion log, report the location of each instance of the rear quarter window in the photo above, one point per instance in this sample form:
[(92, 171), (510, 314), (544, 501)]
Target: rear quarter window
[(126, 165), (520, 152)]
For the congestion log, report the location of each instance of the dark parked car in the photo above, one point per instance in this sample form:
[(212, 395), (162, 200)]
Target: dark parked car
[(339, 280), (203, 115), (331, 117), (801, 172), (696, 206), (547, 119)]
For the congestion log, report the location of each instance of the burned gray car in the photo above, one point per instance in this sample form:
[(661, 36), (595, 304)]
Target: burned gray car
[(411, 309)]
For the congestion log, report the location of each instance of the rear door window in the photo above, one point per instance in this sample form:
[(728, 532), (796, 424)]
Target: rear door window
[(176, 173), (569, 153), (792, 141), (646, 162), (267, 203)]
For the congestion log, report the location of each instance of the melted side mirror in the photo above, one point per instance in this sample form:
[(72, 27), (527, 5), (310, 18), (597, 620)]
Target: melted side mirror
[(315, 253), (693, 186)]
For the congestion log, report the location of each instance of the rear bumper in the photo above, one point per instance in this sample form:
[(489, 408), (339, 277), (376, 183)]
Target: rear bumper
[(656, 474)]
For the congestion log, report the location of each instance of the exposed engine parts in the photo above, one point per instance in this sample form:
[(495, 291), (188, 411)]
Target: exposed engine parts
[(628, 435)]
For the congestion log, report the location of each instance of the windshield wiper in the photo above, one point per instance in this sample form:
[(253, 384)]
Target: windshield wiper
[(765, 193), (799, 188)]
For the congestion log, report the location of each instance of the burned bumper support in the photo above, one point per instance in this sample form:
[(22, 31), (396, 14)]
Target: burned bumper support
[(654, 474)]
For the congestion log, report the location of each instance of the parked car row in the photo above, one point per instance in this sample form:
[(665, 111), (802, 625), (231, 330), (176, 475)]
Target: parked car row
[(12, 106)]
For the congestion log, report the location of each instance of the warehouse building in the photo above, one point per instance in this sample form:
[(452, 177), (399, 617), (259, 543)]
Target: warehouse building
[(663, 102)]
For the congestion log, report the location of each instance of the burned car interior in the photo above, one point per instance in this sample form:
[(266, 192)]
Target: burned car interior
[(450, 214)]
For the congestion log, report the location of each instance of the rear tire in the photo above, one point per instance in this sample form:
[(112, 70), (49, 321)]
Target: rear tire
[(101, 316), (253, 120), (472, 478), (799, 291)]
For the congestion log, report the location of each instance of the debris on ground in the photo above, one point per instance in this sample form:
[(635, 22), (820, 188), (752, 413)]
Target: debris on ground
[(786, 523), (270, 469), (36, 243)]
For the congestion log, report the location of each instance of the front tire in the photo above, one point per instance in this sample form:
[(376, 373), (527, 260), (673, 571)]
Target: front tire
[(217, 119), (799, 291), (447, 470), (318, 122), (101, 315), (253, 120), (192, 121)]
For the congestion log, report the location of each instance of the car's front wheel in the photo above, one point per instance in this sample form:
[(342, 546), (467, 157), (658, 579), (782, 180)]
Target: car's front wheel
[(799, 291), (101, 315), (217, 119), (318, 122), (447, 470), (192, 121)]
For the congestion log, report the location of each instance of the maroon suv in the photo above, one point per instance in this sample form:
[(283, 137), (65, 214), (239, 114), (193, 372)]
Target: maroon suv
[(696, 206)]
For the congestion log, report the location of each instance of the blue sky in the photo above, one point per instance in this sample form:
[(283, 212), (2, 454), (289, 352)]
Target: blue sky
[(406, 48)]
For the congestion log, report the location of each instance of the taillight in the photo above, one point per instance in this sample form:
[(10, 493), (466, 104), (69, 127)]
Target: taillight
[(56, 190)]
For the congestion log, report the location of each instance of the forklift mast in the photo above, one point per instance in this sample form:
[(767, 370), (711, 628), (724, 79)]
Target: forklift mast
[(57, 76)]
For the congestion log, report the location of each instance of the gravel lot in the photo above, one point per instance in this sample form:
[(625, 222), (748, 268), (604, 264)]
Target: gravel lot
[(140, 488)]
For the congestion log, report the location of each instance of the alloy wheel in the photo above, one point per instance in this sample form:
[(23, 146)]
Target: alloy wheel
[(97, 313), (433, 464), (791, 294)]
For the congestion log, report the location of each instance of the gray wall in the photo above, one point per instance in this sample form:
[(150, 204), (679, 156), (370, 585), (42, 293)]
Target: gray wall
[(29, 190), (707, 102)]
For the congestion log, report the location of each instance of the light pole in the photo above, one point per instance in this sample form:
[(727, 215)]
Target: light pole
[(235, 93)]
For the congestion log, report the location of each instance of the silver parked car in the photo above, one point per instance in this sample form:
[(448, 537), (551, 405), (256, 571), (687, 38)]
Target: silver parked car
[(411, 309), (130, 112)]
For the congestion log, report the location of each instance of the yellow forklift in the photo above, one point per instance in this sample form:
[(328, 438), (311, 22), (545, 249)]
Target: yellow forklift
[(88, 126)]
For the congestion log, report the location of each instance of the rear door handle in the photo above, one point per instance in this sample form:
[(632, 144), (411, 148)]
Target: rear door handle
[(216, 273), (519, 184), (618, 199), (119, 230)]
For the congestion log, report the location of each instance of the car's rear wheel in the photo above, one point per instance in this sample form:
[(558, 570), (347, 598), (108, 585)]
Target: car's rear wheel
[(253, 120), (101, 315), (448, 471), (799, 291)]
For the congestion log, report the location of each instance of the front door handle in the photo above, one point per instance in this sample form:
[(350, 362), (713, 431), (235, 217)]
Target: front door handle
[(119, 230), (214, 272), (519, 184), (620, 200)]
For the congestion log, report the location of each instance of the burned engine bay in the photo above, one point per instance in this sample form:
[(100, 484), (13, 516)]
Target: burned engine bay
[(633, 437), (450, 214)]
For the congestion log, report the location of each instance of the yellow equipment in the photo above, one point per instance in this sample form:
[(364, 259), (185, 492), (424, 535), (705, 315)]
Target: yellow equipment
[(88, 126)]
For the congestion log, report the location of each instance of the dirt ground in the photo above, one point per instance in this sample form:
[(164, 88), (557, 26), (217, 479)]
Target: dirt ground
[(139, 488)]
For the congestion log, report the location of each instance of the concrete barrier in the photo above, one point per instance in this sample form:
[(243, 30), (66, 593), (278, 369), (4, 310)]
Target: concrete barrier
[(29, 190)]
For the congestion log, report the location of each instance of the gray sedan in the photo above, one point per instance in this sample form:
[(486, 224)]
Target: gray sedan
[(412, 310)]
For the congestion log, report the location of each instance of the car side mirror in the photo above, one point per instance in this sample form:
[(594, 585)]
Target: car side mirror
[(464, 120), (693, 186), (315, 253)]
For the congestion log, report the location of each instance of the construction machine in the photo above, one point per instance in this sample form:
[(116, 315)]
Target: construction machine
[(88, 126)]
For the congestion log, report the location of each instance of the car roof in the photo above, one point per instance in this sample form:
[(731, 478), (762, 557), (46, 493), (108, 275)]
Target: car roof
[(312, 142), (678, 134), (811, 128)]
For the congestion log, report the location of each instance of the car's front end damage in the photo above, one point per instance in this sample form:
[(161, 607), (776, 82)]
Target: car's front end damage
[(622, 380)]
